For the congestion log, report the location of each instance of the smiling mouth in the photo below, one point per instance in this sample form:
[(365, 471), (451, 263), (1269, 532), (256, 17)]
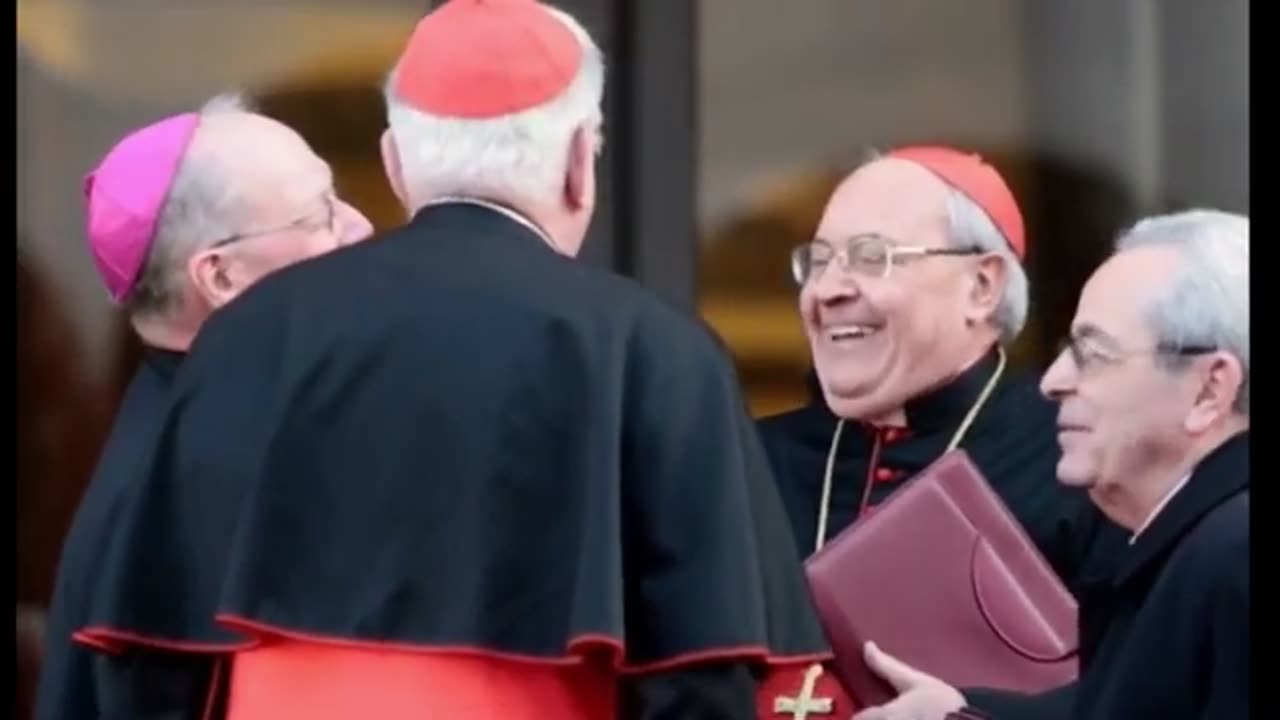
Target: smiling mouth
[(849, 332)]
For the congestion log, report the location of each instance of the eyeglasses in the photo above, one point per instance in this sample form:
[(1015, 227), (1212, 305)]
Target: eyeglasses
[(1087, 356), (868, 255), (306, 222)]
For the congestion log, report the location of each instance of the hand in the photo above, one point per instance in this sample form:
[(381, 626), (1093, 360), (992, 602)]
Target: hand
[(920, 696)]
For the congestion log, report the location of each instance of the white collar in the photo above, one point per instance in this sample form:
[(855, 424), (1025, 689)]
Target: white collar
[(516, 216), (1159, 507)]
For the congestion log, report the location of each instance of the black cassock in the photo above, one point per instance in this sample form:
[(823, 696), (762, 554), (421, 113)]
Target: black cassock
[(1167, 635), (1012, 440), (450, 435), (78, 681)]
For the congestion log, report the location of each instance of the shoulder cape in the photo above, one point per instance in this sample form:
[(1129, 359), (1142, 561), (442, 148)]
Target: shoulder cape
[(451, 438), (68, 682)]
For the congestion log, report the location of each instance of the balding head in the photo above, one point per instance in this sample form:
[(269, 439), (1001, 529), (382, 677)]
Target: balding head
[(249, 198), (890, 197), (262, 165)]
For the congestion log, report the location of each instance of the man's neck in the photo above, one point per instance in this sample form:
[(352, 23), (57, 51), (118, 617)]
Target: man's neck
[(164, 335), (1159, 506), (897, 417), (1145, 495)]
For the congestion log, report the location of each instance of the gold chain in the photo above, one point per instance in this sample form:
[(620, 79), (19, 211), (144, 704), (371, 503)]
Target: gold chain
[(825, 507)]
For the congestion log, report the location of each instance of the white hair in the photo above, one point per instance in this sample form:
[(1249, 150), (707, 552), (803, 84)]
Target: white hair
[(198, 212), (1207, 302), (227, 102), (522, 156), (969, 226)]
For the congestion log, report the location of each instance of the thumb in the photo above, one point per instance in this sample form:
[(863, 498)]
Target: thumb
[(900, 675)]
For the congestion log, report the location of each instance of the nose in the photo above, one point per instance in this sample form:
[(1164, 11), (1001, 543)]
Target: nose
[(354, 226), (829, 288), (1059, 379), (834, 284)]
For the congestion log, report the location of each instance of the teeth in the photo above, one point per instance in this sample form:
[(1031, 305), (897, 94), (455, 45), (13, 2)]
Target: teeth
[(849, 332)]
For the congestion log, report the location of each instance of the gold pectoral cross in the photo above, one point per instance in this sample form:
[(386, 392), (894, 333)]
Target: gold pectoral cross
[(804, 704)]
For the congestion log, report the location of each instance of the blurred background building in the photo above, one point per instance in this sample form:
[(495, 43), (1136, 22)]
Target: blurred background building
[(729, 122)]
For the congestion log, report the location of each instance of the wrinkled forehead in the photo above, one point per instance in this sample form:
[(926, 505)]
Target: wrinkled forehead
[(889, 197), (1116, 301)]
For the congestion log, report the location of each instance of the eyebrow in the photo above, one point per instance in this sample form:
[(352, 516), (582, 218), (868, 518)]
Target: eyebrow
[(326, 186), (857, 236), (1089, 331), (319, 202)]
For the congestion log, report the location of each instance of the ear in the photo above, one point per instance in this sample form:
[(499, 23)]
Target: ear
[(210, 276), (580, 178), (988, 283), (1220, 386), (392, 167)]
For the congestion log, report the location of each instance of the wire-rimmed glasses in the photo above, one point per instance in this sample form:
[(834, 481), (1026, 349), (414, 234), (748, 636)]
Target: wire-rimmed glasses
[(869, 255)]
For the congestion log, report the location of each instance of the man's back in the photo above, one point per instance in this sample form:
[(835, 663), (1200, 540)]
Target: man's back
[(494, 370), (451, 436)]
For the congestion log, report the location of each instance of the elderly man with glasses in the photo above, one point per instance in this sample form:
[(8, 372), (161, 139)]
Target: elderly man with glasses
[(909, 293), (183, 215), (1153, 420)]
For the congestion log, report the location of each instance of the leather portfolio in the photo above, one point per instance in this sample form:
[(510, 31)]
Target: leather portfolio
[(943, 577)]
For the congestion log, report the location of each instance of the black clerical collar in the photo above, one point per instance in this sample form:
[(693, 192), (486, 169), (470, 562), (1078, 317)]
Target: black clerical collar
[(942, 407), (1222, 474), (948, 404)]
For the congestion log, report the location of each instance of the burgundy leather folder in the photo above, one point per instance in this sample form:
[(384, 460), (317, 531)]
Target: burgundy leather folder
[(944, 578)]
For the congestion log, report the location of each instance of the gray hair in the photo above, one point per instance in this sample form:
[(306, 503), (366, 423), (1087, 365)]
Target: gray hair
[(970, 226), (197, 213), (1207, 302), (521, 156)]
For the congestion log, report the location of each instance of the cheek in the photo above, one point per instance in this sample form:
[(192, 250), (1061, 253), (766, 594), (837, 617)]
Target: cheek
[(317, 244), (1115, 413), (927, 318), (903, 312), (292, 250), (1125, 399), (941, 298)]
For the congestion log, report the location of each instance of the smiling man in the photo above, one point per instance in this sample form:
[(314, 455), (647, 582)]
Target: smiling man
[(908, 293), (1153, 388)]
